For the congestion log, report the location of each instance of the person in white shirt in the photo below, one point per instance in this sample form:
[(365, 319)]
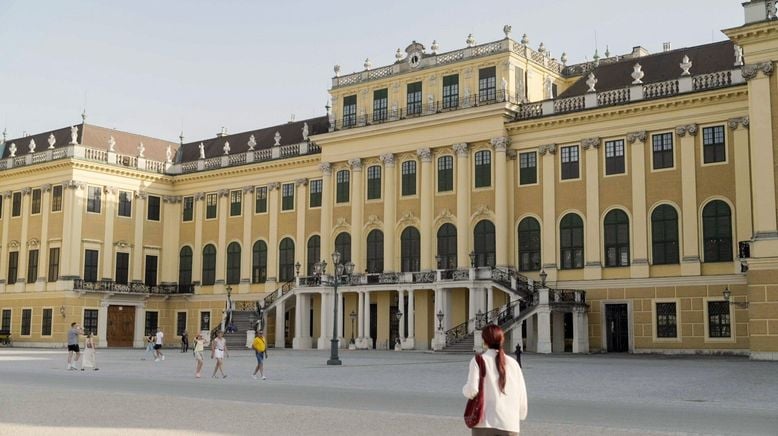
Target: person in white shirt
[(158, 346), (505, 394)]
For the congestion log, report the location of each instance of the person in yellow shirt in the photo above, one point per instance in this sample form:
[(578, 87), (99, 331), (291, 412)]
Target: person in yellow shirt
[(260, 349)]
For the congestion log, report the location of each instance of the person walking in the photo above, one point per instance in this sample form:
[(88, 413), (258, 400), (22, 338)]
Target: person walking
[(158, 340), (149, 347), (185, 342), (219, 352), (90, 358), (260, 349), (73, 348), (199, 346), (518, 353), (504, 391)]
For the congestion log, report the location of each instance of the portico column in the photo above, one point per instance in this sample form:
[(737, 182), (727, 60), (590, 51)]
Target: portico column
[(326, 208), (548, 180), (463, 204), (280, 315), (102, 325), (743, 216), (299, 325), (427, 200), (410, 342), (325, 323), (639, 264), (197, 251), (439, 340), (690, 262), (472, 307), (302, 244), (139, 334), (390, 210), (248, 246), (357, 212), (580, 330), (592, 265), (400, 307), (544, 323), (272, 235), (501, 185), (138, 218), (368, 339), (360, 317), (489, 300), (341, 314)]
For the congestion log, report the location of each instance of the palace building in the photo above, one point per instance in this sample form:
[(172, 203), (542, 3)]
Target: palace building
[(626, 204)]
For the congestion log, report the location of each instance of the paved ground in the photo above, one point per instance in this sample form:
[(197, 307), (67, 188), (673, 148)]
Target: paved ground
[(379, 393)]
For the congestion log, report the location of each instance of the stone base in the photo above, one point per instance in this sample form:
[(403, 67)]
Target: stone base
[(302, 343), (323, 343), (764, 355), (409, 344)]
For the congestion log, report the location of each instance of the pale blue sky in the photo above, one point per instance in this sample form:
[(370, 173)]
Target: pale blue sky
[(149, 67)]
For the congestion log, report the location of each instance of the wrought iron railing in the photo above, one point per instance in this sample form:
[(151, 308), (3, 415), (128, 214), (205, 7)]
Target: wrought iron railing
[(278, 293), (457, 333), (131, 288)]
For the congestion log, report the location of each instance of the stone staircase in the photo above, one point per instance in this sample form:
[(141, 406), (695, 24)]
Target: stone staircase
[(243, 320), (464, 345)]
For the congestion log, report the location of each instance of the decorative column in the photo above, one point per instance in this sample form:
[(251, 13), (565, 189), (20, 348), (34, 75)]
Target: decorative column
[(410, 342), (43, 255), (639, 265), (360, 319), (248, 246), (272, 235), (24, 247), (325, 323), (368, 339), (139, 216), (280, 322), (390, 211), (357, 212), (439, 339), (6, 213), (171, 216), (743, 218), (197, 251), (501, 185), (472, 306), (110, 216), (513, 257), (544, 323), (302, 245), (297, 340), (690, 261), (593, 264), (427, 210), (221, 249), (139, 335), (548, 180), (326, 208), (342, 343), (463, 204), (580, 330), (102, 325), (71, 230), (400, 307)]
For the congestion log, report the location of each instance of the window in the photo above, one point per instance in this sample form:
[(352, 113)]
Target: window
[(13, 267), (410, 250), (35, 204), (235, 203), (483, 169), (188, 210), (375, 251), (185, 266), (614, 157), (409, 177), (487, 84), (718, 319), (90, 265), (286, 260), (56, 198), (211, 202), (445, 173), (53, 264), (451, 91), (717, 232), (413, 101), (233, 263), (26, 322), (152, 209), (6, 321), (46, 322), (664, 235), (260, 200), (94, 199), (151, 323), (666, 321), (287, 196), (90, 320), (16, 204), (350, 111), (373, 182), (713, 147), (343, 246), (380, 105), (259, 262), (662, 146), (32, 266), (528, 168), (314, 253), (122, 274), (314, 187), (529, 245), (616, 238), (180, 323), (205, 321), (151, 271), (209, 265), (342, 182), (447, 246), (571, 242), (125, 204), (570, 162), (484, 244)]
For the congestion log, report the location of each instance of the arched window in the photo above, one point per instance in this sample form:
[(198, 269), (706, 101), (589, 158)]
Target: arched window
[(483, 169), (259, 262), (185, 266), (571, 242), (529, 245), (410, 250), (447, 246), (286, 260), (314, 253), (717, 231), (233, 263), (209, 265), (343, 246), (483, 243), (616, 229), (375, 251), (664, 235)]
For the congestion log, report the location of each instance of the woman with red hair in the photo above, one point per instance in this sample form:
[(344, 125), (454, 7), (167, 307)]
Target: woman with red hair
[(504, 391)]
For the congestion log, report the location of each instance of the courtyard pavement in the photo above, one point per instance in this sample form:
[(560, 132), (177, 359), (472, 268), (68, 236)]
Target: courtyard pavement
[(379, 393)]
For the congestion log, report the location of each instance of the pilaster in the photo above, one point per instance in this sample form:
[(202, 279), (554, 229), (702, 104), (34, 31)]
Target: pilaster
[(221, 248), (107, 257), (272, 236), (637, 142), (326, 208), (139, 218), (248, 246), (302, 244), (501, 185), (23, 239), (357, 212), (197, 250), (463, 204), (390, 210), (593, 263), (6, 214), (743, 218), (690, 261), (43, 256), (171, 214), (427, 203), (548, 180)]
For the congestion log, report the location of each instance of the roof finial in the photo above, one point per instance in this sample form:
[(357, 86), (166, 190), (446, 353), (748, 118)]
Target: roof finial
[(181, 137), (4, 136), (607, 51), (83, 116)]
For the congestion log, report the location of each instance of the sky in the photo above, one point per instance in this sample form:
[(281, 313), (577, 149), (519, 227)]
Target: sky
[(160, 67)]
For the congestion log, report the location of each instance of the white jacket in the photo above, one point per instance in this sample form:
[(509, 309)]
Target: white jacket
[(501, 411)]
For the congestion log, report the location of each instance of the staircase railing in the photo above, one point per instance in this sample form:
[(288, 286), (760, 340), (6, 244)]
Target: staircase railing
[(278, 293), (456, 334)]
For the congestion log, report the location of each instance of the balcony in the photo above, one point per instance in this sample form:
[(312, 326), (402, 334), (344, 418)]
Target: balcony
[(109, 286)]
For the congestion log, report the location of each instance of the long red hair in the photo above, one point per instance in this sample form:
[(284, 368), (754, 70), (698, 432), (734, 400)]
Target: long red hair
[(493, 337)]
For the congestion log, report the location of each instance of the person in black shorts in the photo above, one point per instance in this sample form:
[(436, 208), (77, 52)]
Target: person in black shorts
[(73, 334)]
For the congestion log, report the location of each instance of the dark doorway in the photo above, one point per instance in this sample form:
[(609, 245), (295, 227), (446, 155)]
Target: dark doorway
[(373, 323), (568, 332), (121, 326), (394, 327), (617, 328)]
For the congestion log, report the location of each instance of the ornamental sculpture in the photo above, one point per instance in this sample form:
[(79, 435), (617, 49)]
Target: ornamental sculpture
[(141, 149), (52, 141), (305, 131), (686, 65), (73, 135), (277, 138), (252, 143), (12, 149), (202, 150), (32, 146), (169, 154), (637, 74), (226, 147), (111, 144), (590, 82), (470, 41)]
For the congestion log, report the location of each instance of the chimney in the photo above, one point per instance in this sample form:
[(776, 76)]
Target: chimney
[(223, 133), (666, 46)]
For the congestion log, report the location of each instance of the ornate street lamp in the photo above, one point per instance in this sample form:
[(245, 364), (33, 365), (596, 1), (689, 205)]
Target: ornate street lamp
[(543, 276), (439, 260), (728, 298), (353, 316), (340, 269), (440, 320), (480, 318), (297, 268), (472, 259)]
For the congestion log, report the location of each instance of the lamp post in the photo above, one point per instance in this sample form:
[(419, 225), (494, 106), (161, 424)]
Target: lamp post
[(297, 268), (472, 259), (339, 270), (353, 316), (728, 298), (543, 276), (439, 260), (399, 316), (440, 320)]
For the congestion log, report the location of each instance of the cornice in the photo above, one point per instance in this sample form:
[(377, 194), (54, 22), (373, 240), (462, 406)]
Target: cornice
[(751, 32)]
